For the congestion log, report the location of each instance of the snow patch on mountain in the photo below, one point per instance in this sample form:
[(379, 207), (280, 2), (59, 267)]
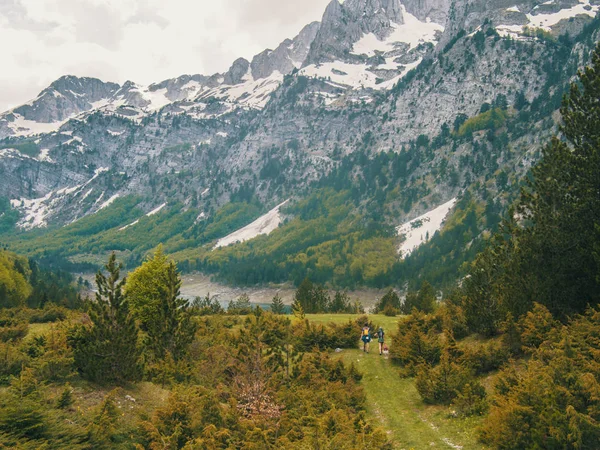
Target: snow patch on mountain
[(12, 153), (34, 212), (412, 32), (45, 155), (250, 94), (547, 21), (130, 225), (23, 127), (263, 225), (390, 58), (109, 202), (156, 210), (421, 229)]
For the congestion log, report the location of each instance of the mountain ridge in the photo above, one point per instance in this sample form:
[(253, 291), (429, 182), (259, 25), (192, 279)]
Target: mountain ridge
[(432, 111)]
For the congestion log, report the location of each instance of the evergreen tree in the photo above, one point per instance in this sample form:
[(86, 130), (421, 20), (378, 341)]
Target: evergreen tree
[(298, 310), (425, 300), (562, 203), (173, 328), (108, 351), (277, 306), (147, 286), (548, 254), (320, 299), (240, 306), (340, 303), (390, 299), (304, 296)]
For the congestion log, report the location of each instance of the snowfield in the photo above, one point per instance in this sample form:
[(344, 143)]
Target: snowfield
[(412, 32), (547, 21), (24, 127), (108, 202), (263, 225), (360, 76), (423, 228)]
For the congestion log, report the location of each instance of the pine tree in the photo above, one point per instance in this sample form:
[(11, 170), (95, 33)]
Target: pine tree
[(173, 328), (66, 398), (340, 303), (108, 351), (427, 298), (277, 306), (304, 296), (561, 207), (298, 310), (389, 299)]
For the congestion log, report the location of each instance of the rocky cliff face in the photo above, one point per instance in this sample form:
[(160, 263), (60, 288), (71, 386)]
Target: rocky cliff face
[(344, 24), (66, 97), (375, 75)]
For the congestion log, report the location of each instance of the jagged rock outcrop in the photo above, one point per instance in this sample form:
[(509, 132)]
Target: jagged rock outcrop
[(289, 55), (236, 72), (344, 24), (66, 97), (434, 10)]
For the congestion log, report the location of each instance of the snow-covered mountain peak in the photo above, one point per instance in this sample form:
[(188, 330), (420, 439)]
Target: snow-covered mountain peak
[(373, 51)]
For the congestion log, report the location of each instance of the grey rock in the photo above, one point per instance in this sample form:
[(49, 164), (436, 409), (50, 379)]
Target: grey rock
[(66, 97), (289, 55), (343, 25), (237, 71)]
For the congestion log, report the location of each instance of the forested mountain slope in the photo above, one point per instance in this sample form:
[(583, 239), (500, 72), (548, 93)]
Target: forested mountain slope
[(371, 118)]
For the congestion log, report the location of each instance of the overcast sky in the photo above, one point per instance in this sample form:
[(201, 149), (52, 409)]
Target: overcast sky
[(141, 40)]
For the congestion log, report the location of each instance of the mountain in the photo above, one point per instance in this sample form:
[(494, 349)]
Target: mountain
[(244, 85), (398, 106)]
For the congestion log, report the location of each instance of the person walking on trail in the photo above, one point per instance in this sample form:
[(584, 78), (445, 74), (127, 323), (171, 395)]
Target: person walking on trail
[(366, 338), (380, 339)]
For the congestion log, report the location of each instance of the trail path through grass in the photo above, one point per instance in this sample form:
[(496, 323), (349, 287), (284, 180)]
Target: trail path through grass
[(395, 402)]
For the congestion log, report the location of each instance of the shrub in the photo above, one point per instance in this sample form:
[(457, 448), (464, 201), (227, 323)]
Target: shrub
[(311, 336), (23, 419), (50, 313), (471, 400), (390, 311), (11, 362), (536, 327), (485, 358), (416, 343), (443, 383), (13, 333), (452, 317)]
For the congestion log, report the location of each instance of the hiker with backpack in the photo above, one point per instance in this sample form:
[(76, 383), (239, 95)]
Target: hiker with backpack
[(380, 339), (366, 338)]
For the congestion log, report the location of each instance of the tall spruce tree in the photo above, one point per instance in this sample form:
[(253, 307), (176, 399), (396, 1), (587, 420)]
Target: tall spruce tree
[(277, 306), (108, 351), (304, 297), (172, 329), (562, 204), (548, 253)]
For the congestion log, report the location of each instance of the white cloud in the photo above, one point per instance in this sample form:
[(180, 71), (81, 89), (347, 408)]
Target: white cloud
[(141, 40)]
